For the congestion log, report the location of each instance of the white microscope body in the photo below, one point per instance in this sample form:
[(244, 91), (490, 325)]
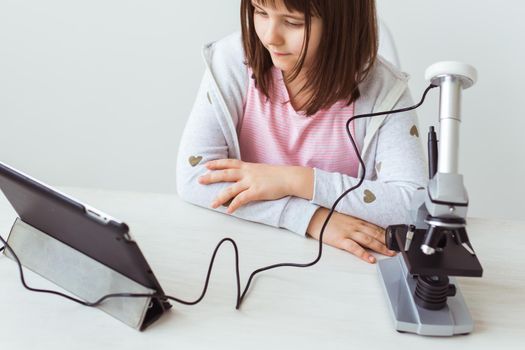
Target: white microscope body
[(434, 244)]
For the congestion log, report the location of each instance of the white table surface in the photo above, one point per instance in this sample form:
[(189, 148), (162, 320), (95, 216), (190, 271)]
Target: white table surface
[(336, 304)]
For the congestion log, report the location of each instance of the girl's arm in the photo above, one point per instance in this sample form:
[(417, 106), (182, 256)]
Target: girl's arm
[(399, 169), (203, 140)]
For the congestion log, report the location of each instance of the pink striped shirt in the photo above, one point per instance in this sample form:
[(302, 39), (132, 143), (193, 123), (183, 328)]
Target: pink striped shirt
[(272, 132)]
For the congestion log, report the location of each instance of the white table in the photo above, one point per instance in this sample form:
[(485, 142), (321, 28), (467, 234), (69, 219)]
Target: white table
[(336, 304)]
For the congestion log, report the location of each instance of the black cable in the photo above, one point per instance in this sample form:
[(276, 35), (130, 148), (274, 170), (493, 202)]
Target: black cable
[(240, 297), (131, 295)]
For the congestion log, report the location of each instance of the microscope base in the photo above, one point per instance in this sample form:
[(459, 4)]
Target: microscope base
[(399, 286)]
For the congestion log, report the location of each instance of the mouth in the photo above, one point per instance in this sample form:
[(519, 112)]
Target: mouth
[(280, 54)]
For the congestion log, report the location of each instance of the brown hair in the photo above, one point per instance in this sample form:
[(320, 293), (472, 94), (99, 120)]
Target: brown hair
[(346, 53)]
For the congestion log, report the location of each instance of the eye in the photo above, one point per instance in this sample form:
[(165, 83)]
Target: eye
[(292, 24), (260, 13)]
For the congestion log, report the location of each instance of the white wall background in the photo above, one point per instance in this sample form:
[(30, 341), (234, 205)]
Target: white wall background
[(96, 93)]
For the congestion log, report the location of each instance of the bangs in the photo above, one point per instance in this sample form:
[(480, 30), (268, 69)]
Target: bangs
[(301, 6)]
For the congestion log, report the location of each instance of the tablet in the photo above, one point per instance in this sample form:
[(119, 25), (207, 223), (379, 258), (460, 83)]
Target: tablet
[(84, 228)]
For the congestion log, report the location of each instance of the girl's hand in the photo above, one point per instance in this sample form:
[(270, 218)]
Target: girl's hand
[(252, 182), (350, 234)]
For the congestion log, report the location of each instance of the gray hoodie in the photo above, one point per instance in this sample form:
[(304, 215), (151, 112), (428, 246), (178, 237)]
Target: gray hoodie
[(389, 145)]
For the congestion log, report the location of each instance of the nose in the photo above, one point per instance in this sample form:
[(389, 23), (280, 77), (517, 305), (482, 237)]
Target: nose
[(273, 36)]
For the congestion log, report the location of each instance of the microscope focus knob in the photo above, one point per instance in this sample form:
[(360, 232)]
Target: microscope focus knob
[(390, 236)]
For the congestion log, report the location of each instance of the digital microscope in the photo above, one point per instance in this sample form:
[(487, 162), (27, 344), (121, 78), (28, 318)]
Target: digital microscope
[(434, 244)]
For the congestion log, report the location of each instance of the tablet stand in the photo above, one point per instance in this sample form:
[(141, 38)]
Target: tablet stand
[(79, 274)]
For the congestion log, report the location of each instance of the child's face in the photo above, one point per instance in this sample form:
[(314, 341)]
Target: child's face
[(282, 33)]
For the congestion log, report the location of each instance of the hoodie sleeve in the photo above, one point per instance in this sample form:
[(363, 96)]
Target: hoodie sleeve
[(203, 140), (399, 169)]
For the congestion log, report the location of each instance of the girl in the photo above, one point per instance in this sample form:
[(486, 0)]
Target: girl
[(266, 139)]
